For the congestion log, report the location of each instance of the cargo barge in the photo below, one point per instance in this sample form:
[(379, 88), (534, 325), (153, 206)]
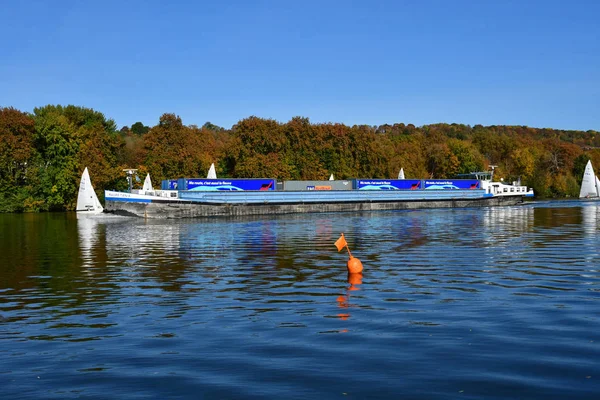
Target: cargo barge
[(196, 197)]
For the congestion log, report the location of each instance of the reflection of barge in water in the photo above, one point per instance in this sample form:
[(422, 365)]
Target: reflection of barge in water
[(233, 197)]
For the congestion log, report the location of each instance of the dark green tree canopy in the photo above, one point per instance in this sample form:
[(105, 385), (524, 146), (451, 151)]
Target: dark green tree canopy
[(139, 129)]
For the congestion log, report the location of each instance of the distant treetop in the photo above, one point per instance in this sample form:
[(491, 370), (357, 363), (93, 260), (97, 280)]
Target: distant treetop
[(139, 129)]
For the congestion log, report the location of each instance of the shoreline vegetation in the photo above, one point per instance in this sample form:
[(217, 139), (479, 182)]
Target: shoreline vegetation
[(43, 153)]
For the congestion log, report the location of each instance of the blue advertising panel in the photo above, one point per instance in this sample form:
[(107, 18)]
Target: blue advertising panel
[(442, 184), (388, 184), (230, 184)]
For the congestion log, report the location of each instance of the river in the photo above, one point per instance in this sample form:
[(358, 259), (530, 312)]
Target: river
[(495, 303)]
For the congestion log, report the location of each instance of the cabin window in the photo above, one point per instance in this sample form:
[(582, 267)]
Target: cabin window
[(512, 189), (505, 190)]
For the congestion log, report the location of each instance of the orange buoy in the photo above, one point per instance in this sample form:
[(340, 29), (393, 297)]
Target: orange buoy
[(354, 265)]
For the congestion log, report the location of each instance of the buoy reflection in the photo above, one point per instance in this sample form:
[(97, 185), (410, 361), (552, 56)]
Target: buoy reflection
[(343, 301)]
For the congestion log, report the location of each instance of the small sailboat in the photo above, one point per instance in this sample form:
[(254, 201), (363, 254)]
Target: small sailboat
[(590, 183), (331, 178), (401, 174), (87, 201), (147, 184), (212, 173)]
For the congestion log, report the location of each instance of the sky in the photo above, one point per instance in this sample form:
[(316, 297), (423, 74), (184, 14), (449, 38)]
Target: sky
[(489, 62)]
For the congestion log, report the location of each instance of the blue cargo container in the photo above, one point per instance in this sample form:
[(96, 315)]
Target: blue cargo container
[(387, 184), (443, 184), (201, 184)]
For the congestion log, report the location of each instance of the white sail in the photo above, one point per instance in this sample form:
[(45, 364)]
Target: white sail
[(401, 174), (87, 201), (212, 174), (331, 178), (147, 184), (597, 187), (589, 184)]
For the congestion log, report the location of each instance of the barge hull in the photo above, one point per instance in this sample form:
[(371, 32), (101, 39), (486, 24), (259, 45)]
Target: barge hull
[(189, 209)]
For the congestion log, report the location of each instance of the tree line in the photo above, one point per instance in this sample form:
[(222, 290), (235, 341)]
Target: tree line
[(43, 153)]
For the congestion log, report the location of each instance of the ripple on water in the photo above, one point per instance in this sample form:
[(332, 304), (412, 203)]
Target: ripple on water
[(494, 303)]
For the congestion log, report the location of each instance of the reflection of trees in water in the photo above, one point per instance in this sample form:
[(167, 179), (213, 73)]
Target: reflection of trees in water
[(545, 217), (557, 224), (51, 268), (37, 245)]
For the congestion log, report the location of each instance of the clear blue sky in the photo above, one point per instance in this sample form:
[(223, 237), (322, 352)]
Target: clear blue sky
[(527, 62)]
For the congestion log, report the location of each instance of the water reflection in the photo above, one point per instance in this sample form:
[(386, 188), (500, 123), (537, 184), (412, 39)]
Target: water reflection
[(343, 301), (590, 213), (511, 220), (509, 291), (87, 226)]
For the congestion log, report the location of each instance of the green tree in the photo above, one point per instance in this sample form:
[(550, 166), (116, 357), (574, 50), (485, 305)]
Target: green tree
[(139, 129), (579, 165), (67, 140), (212, 127)]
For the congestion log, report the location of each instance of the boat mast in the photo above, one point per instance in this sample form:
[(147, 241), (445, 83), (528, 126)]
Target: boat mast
[(130, 173), (492, 174)]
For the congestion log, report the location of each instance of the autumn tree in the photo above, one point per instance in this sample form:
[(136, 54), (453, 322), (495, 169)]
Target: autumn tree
[(336, 153), (173, 150), (303, 153), (42, 154), (16, 155), (258, 149), (468, 157)]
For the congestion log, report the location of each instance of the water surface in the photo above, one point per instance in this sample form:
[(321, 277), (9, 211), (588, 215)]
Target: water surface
[(466, 303)]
